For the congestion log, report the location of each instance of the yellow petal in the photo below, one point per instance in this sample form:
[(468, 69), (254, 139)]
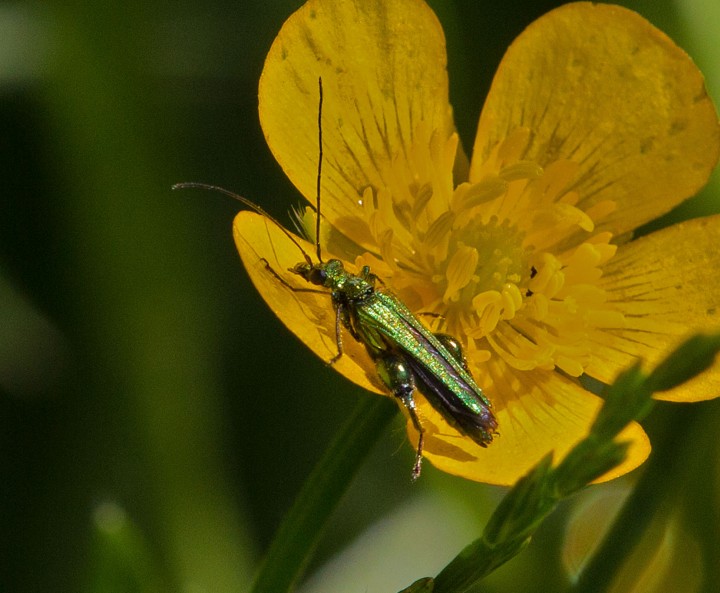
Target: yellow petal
[(599, 85), (383, 69), (537, 412), (666, 286), (309, 315)]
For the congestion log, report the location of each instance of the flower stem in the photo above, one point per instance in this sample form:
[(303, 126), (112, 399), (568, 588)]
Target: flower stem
[(302, 527), (664, 471)]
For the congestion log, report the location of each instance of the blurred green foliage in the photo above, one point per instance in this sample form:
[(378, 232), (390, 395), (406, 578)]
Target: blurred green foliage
[(147, 442)]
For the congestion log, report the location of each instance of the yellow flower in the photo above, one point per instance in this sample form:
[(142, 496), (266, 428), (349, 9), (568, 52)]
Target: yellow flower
[(596, 123)]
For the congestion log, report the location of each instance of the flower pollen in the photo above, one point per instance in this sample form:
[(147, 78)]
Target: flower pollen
[(506, 262)]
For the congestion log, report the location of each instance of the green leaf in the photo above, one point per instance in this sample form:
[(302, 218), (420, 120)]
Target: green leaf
[(424, 585), (589, 460), (691, 358), (121, 558), (627, 399), (301, 529), (537, 494)]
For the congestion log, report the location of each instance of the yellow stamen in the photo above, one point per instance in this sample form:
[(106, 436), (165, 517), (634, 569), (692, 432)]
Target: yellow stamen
[(523, 287)]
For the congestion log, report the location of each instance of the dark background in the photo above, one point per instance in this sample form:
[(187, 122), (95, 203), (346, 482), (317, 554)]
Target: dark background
[(156, 420)]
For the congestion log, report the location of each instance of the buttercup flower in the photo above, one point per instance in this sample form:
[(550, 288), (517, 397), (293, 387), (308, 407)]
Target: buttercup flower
[(596, 123)]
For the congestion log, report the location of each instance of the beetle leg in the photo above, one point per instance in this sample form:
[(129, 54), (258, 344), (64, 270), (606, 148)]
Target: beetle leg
[(397, 376), (341, 318), (454, 347), (429, 314)]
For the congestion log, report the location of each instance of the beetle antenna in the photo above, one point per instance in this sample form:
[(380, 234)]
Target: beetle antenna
[(249, 204), (319, 170)]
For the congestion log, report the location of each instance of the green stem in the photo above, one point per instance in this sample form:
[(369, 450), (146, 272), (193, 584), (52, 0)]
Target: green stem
[(658, 483), (302, 527)]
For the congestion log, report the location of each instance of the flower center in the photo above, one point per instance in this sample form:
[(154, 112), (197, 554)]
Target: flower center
[(508, 262), (481, 277)]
